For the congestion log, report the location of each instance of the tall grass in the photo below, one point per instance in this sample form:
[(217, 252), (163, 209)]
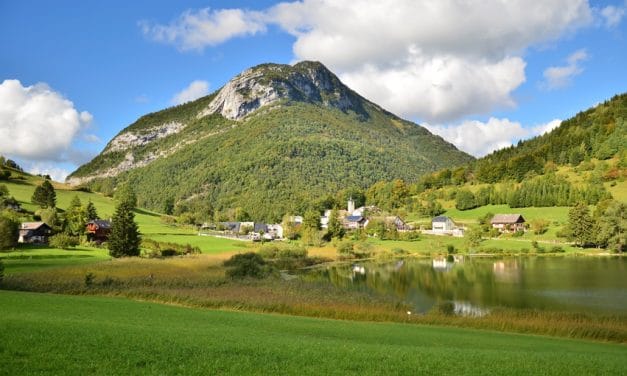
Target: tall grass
[(200, 281)]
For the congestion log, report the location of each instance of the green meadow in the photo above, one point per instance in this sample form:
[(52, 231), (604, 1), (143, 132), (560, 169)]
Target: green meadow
[(554, 214), (33, 258), (54, 334)]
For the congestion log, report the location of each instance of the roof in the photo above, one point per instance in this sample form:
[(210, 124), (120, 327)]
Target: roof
[(231, 226), (507, 218), (258, 227), (441, 218), (354, 218), (32, 225), (101, 223)]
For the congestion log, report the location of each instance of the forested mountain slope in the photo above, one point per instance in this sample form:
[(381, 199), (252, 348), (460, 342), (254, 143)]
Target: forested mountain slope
[(273, 139)]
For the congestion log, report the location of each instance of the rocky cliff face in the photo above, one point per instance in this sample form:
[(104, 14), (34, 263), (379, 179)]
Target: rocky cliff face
[(267, 84)]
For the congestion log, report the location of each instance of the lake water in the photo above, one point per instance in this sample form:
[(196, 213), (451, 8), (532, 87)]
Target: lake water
[(475, 285)]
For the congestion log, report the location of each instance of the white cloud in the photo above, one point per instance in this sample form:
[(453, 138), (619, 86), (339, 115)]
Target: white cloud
[(541, 129), (479, 138), (443, 88), (195, 90), (92, 138), (437, 60), (56, 173), (195, 30), (561, 76), (37, 123), (612, 15)]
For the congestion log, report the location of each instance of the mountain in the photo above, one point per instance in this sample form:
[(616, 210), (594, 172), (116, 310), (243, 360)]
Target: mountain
[(272, 140)]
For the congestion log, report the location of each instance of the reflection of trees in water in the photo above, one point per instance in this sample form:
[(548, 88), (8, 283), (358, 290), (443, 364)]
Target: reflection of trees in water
[(527, 282)]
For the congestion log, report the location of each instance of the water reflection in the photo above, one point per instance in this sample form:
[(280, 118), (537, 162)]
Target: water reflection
[(474, 285)]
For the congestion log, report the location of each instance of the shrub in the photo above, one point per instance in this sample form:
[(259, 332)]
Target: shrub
[(446, 308), (246, 265), (345, 247), (557, 249), (409, 236), (63, 241), (167, 249), (450, 249), (518, 233), (1, 271), (539, 226), (399, 251), (89, 279), (537, 247)]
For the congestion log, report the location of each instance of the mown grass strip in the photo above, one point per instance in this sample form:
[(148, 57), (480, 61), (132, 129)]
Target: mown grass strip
[(53, 334)]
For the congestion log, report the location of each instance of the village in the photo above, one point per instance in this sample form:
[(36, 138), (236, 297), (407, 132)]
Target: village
[(351, 219)]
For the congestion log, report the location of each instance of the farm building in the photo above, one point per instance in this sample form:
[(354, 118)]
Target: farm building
[(508, 222), (34, 232), (98, 230)]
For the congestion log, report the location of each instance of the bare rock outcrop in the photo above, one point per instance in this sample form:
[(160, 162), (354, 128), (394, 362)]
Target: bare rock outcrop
[(267, 84)]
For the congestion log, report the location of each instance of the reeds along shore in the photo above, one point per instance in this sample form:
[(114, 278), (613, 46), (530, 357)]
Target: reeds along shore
[(201, 281)]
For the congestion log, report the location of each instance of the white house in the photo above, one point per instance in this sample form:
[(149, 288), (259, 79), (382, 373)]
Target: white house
[(276, 230), (442, 225)]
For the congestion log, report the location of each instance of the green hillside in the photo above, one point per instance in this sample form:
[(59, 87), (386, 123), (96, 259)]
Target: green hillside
[(599, 132), (48, 334), (315, 137), (151, 225)]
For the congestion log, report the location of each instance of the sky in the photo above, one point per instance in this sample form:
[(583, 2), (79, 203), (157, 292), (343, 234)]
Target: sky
[(482, 74)]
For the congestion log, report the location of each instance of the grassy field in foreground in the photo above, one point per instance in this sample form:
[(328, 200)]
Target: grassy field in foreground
[(57, 334)]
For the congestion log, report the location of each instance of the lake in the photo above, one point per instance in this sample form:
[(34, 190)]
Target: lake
[(476, 285)]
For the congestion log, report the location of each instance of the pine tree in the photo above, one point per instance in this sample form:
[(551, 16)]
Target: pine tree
[(126, 194), (90, 211), (44, 195), (125, 238), (75, 217)]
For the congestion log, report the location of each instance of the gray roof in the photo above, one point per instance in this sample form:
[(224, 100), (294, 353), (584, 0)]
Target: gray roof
[(507, 218), (441, 218), (260, 227), (231, 226), (101, 223), (354, 218)]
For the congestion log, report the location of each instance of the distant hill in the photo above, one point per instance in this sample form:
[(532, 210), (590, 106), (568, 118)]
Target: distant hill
[(599, 132), (273, 139)]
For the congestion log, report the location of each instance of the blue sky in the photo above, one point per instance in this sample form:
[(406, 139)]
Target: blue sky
[(73, 74)]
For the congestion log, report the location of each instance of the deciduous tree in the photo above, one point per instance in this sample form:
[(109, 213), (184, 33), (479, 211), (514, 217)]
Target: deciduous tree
[(44, 195), (580, 225)]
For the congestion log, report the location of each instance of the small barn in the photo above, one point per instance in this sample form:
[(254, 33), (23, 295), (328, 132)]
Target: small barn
[(442, 225), (508, 222), (98, 230), (34, 233)]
